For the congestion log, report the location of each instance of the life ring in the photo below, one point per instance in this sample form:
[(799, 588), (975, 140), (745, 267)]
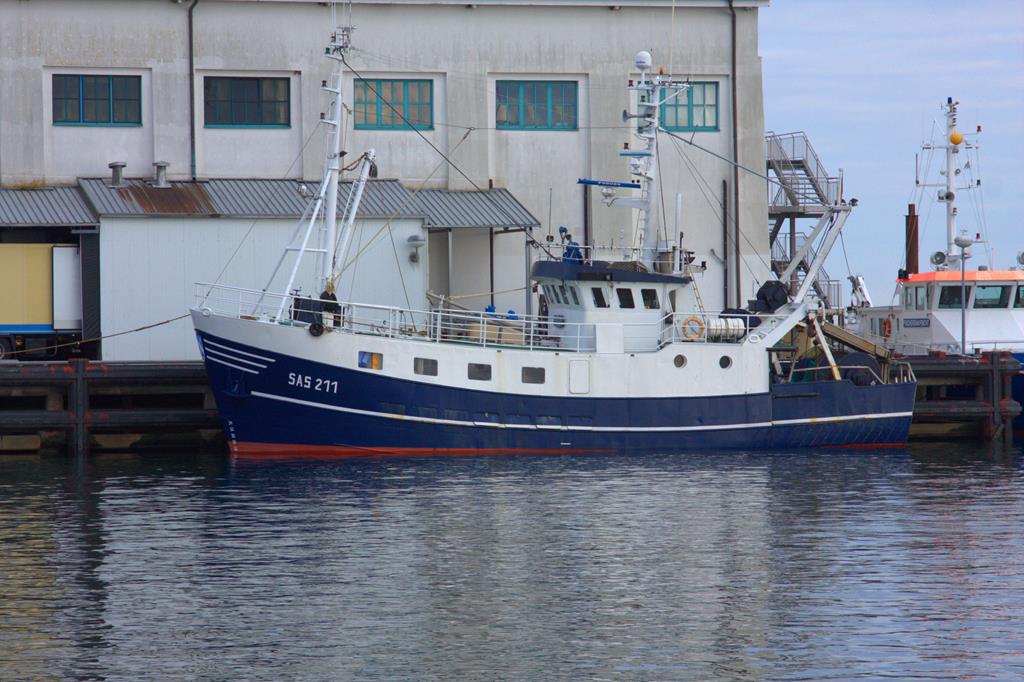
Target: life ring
[(692, 328), (887, 327)]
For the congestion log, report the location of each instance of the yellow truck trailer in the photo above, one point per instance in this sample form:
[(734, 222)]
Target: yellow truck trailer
[(40, 300)]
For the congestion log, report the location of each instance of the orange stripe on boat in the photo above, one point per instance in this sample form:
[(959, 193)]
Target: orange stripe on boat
[(280, 451), (970, 276)]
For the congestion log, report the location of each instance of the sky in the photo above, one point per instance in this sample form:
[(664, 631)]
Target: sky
[(865, 79)]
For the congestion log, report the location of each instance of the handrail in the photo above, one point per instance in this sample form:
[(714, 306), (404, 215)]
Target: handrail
[(905, 373), (483, 328)]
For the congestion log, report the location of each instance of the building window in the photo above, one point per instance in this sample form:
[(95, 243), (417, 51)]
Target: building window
[(97, 100), (693, 108), (535, 105), (650, 297), (382, 104), (368, 360), (599, 299), (425, 366), (258, 102), (533, 375), (478, 372), (949, 297), (992, 296), (625, 298)]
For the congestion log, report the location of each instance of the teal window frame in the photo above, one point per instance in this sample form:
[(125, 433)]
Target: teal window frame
[(239, 105), (688, 111), (85, 99), (412, 97), (536, 105)]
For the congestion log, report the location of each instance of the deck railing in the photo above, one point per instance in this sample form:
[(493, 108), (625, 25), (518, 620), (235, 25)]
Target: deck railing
[(444, 324)]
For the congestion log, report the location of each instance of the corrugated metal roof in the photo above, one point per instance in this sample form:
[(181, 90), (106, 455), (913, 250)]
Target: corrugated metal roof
[(50, 206), (240, 198), (470, 208)]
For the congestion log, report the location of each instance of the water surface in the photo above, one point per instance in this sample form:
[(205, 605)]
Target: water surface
[(812, 565)]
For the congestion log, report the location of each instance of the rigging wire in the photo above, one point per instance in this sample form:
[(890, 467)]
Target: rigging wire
[(446, 157), (719, 208)]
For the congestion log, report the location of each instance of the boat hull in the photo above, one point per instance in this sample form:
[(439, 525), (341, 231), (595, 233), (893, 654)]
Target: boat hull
[(267, 413), (1017, 391)]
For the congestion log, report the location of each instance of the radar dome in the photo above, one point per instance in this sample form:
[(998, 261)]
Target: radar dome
[(643, 60)]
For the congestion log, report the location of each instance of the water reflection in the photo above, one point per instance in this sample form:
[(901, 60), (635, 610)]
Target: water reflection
[(814, 565)]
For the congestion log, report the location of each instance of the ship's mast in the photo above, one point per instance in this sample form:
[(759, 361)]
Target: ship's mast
[(947, 189), (341, 40), (951, 151), (644, 161)]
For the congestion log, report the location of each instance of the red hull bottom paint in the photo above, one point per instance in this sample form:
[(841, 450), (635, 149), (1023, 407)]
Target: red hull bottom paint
[(281, 451), (866, 446)]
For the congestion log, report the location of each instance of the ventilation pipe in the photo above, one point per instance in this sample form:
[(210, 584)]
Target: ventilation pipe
[(116, 173), (911, 240), (160, 180)]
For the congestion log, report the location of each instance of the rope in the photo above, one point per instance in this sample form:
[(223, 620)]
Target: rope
[(387, 224), (99, 338), (483, 293)]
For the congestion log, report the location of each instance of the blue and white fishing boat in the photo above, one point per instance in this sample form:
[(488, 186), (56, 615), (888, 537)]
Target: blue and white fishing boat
[(929, 313), (625, 358)]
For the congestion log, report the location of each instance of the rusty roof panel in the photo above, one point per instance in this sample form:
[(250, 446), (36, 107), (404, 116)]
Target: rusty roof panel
[(240, 198)]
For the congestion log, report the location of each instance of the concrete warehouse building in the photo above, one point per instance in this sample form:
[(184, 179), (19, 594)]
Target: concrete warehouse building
[(526, 95)]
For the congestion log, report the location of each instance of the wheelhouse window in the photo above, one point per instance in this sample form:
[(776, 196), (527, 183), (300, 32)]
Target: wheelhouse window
[(394, 104), (1019, 302), (246, 102), (479, 372), (535, 105), (97, 100), (625, 298), (992, 296), (650, 297), (601, 302), (921, 298), (425, 366), (575, 296), (691, 109), (949, 297)]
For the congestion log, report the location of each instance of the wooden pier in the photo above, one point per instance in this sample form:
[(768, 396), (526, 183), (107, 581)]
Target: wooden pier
[(77, 406), (965, 397), (80, 406)]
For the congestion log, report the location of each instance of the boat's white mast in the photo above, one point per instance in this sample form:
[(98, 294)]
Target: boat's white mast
[(951, 149), (947, 189), (340, 42), (646, 167), (644, 161)]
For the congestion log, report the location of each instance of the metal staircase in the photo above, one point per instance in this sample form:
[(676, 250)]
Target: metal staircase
[(800, 188)]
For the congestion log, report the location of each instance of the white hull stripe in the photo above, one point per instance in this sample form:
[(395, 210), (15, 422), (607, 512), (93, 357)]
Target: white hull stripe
[(230, 364), (228, 356), (534, 427), (207, 342)]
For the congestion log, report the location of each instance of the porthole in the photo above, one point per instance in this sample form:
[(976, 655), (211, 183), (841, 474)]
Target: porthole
[(725, 362), (679, 361)]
